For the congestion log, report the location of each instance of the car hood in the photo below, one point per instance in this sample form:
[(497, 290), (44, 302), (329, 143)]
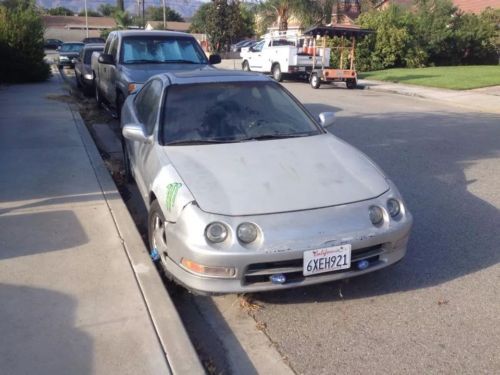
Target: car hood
[(261, 177), (140, 73), (69, 54)]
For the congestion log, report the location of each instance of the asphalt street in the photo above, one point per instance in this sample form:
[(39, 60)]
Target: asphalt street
[(438, 310)]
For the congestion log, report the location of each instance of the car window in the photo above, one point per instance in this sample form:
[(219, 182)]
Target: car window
[(71, 47), (147, 104), (161, 49), (88, 54), (233, 112), (258, 46), (114, 48), (108, 43)]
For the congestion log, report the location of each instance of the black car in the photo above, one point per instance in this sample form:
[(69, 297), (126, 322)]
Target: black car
[(67, 52), (93, 40), (52, 43), (83, 71)]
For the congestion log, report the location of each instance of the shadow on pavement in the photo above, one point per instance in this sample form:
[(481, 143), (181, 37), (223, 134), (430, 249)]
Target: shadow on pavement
[(427, 155), (38, 333)]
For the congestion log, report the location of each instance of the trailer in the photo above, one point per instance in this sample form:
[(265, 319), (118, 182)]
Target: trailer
[(346, 71)]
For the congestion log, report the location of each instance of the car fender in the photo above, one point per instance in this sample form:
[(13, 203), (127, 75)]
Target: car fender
[(171, 192)]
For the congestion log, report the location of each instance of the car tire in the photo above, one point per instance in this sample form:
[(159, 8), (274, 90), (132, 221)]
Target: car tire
[(156, 230), (315, 81), (245, 66), (59, 66), (98, 97), (78, 82), (276, 72), (126, 164), (351, 84)]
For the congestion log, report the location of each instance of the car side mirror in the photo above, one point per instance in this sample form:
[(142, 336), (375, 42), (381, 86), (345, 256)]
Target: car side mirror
[(58, 48), (135, 132), (214, 59), (326, 119), (74, 61), (106, 58)]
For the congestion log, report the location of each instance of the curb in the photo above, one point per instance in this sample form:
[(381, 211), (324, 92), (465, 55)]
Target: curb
[(180, 354)]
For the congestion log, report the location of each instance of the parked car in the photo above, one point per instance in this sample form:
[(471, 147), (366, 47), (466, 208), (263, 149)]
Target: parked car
[(242, 44), (52, 43), (247, 191), (67, 52), (131, 57), (94, 40), (83, 71)]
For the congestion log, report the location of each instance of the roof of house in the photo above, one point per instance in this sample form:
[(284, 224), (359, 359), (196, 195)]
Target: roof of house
[(476, 6), (62, 22)]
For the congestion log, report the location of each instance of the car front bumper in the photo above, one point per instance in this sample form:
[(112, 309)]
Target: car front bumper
[(314, 229)]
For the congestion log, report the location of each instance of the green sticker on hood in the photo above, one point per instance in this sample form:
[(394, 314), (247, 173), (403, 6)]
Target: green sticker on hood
[(172, 190)]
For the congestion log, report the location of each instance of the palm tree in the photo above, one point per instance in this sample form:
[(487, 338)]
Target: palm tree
[(280, 11), (123, 19)]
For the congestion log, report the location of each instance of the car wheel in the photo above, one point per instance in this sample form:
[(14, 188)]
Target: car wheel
[(315, 81), (59, 66), (98, 97), (351, 84), (78, 81), (119, 104), (246, 66), (277, 73), (126, 164), (156, 230)]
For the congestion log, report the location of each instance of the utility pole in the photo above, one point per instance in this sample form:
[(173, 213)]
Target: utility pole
[(143, 16), (164, 16), (86, 19)]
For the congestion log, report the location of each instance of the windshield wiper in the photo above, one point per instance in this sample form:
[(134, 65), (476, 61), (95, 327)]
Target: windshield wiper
[(143, 61), (197, 142), (181, 62), (266, 137)]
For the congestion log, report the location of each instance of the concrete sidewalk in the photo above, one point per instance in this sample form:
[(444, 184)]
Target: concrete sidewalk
[(78, 294)]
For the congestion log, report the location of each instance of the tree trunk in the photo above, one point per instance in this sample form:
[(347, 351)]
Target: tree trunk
[(120, 5), (283, 21)]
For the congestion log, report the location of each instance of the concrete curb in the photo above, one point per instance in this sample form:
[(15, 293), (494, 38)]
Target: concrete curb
[(179, 351)]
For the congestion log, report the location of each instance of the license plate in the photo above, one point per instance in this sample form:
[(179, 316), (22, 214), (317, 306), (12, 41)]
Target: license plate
[(302, 68), (329, 259)]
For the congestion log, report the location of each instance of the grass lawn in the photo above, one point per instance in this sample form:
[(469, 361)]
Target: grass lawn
[(447, 77)]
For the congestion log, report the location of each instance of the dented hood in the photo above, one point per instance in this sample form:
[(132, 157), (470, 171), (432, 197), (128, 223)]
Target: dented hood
[(262, 177)]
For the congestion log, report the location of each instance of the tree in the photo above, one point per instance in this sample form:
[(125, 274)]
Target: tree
[(123, 19), (280, 11), (199, 20), (156, 14), (90, 13), (107, 10), (61, 11), (21, 43)]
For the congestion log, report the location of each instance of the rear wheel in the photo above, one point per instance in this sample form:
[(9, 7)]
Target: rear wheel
[(315, 81), (245, 66), (276, 72), (351, 83), (126, 163)]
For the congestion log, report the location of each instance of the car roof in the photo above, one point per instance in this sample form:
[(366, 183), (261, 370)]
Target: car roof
[(211, 75), (150, 32)]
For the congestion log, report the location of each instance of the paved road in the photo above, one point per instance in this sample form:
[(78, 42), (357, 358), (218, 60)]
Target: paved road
[(439, 310)]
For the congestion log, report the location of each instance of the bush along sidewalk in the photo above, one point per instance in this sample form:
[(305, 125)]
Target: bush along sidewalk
[(21, 43)]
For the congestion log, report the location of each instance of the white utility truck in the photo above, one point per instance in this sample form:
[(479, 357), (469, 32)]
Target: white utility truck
[(285, 56)]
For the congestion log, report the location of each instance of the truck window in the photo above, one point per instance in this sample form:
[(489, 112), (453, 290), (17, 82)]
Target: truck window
[(113, 49)]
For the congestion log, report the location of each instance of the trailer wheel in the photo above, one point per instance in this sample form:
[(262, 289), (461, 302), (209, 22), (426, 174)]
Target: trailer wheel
[(277, 73), (245, 66), (351, 84), (315, 81)]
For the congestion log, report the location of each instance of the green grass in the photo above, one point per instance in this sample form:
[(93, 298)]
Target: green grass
[(448, 77)]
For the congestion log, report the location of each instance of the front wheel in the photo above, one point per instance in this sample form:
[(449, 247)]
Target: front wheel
[(315, 81), (126, 163), (277, 73), (119, 104), (245, 66), (98, 97), (351, 84)]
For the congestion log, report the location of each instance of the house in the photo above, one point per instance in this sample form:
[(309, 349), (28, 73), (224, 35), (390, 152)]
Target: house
[(74, 28)]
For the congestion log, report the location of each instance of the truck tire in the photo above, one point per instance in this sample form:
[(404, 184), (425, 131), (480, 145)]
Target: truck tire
[(351, 84), (245, 66), (315, 81), (120, 99), (276, 72), (98, 97)]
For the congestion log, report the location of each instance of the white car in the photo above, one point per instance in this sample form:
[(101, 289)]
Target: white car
[(246, 191)]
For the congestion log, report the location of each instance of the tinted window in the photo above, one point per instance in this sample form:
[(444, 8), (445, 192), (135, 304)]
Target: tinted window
[(147, 104), (71, 47), (233, 111), (113, 47), (161, 49)]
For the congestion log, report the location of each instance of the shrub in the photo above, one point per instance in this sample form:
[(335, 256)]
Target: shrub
[(21, 44)]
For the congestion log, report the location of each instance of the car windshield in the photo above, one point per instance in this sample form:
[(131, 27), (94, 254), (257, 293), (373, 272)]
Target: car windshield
[(88, 54), (71, 47), (162, 49), (232, 112)]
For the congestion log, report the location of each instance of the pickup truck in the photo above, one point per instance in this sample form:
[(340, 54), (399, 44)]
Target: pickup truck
[(130, 58), (283, 58)]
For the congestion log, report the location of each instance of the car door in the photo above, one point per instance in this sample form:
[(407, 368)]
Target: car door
[(147, 108), (255, 57)]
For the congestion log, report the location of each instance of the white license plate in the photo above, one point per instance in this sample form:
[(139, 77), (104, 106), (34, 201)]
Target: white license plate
[(329, 259), (302, 68)]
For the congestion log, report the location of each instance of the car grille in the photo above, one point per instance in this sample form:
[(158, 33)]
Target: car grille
[(292, 269)]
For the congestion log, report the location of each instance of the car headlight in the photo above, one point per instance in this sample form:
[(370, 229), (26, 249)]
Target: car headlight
[(88, 76), (216, 232), (376, 214), (393, 207), (64, 58), (247, 232)]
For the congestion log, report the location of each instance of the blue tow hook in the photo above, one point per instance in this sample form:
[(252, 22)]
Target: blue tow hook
[(363, 264), (278, 278), (154, 254)]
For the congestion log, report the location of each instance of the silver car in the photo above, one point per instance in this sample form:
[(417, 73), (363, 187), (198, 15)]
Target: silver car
[(246, 191)]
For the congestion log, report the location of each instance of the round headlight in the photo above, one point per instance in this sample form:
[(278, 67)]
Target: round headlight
[(376, 215), (247, 232), (216, 232), (393, 207)]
